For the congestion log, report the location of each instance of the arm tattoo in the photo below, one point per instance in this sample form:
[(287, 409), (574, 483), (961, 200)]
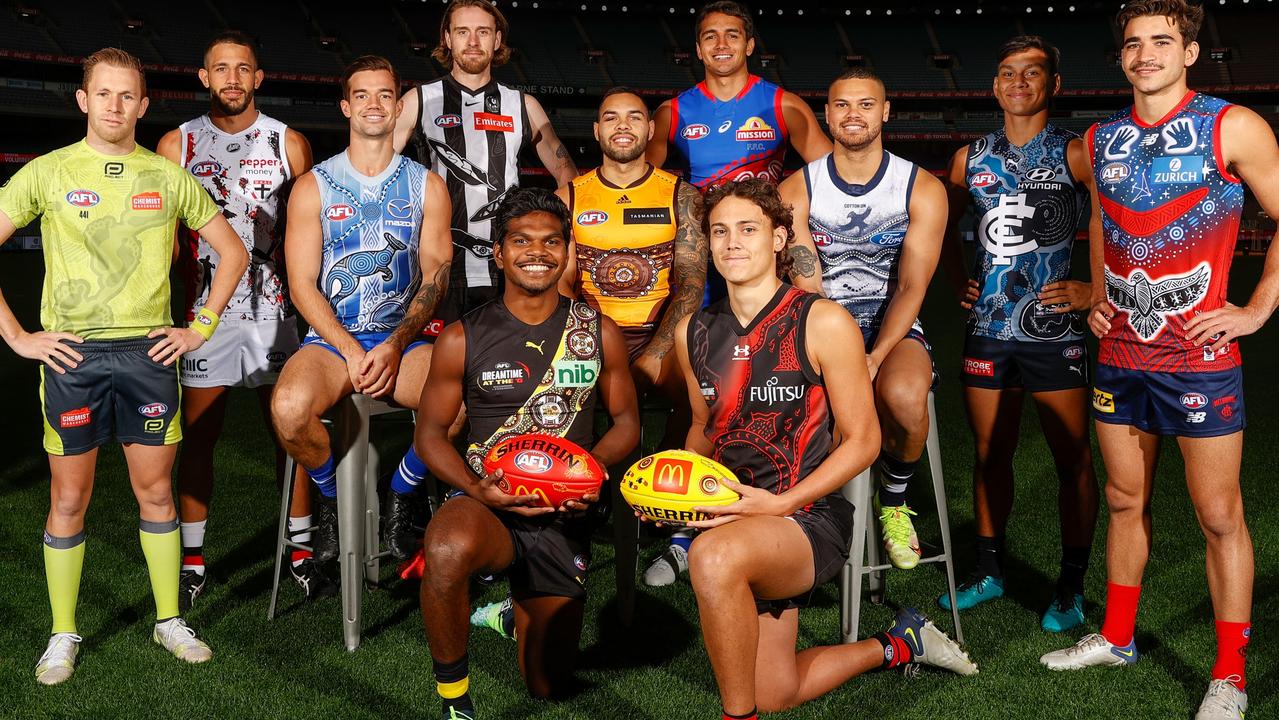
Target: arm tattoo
[(422, 309), (561, 152), (805, 261), (688, 270)]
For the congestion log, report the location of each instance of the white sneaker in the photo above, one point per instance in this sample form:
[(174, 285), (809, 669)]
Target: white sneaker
[(1092, 650), (58, 661), (667, 568), (175, 636), (1223, 701)]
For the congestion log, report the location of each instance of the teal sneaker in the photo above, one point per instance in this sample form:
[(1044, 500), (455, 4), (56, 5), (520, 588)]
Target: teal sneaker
[(498, 617), (1065, 613), (974, 591)]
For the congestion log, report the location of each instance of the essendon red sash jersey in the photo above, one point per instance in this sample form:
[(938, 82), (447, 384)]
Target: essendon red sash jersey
[(1170, 214), (769, 420)]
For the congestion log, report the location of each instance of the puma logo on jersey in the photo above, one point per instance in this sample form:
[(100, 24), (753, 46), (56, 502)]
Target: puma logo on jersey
[(535, 346)]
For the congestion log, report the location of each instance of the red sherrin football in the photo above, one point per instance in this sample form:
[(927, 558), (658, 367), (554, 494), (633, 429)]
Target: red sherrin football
[(552, 468)]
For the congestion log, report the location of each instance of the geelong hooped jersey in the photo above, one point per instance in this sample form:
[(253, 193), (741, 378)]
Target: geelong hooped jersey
[(859, 231), (472, 138), (522, 378), (370, 268), (769, 420), (245, 173), (625, 241), (1028, 207), (730, 140), (1170, 213)]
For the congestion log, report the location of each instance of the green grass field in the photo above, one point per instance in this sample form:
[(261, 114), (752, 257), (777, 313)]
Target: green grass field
[(296, 666)]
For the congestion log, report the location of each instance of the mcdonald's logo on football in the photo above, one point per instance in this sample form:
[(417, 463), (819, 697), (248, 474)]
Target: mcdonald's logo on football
[(672, 476)]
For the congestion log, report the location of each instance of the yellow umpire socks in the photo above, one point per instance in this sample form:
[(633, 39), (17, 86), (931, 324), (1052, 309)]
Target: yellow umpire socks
[(63, 561), (162, 546)]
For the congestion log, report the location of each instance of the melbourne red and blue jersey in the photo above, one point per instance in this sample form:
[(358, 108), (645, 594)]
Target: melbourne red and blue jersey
[(1170, 213), (730, 140)]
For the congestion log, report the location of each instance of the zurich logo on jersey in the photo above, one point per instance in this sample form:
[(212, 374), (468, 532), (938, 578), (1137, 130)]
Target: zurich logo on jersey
[(888, 239), (1170, 170)]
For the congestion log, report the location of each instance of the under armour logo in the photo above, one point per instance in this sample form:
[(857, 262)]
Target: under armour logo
[(741, 352), (1149, 302), (1000, 230)]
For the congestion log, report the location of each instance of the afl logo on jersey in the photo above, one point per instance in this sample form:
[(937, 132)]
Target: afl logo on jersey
[(207, 168), (592, 217), (696, 132), (756, 130), (338, 213), (984, 179), (1194, 400), (153, 410), (821, 239), (448, 121), (1115, 172), (83, 198)]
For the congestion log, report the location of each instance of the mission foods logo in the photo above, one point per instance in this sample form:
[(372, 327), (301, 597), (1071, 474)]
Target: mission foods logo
[(756, 130), (338, 213), (696, 132), (147, 201), (83, 198)]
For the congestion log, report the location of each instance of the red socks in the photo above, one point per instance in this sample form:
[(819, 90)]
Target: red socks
[(752, 715), (1232, 652), (1121, 613)]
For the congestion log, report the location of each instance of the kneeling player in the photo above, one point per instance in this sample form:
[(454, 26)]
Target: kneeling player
[(539, 334), (763, 404)]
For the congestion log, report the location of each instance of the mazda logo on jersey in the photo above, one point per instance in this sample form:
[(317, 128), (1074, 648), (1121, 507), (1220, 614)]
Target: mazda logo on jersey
[(399, 208), (208, 168), (153, 410), (83, 198), (984, 179), (587, 218), (1040, 174), (338, 213), (696, 132), (448, 121), (1115, 172)]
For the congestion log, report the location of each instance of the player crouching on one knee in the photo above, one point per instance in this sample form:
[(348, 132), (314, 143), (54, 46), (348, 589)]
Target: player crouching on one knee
[(545, 551), (765, 404)]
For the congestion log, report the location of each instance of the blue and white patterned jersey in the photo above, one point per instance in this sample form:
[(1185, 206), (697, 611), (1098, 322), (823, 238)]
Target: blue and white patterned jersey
[(371, 229), (1028, 208), (859, 231)]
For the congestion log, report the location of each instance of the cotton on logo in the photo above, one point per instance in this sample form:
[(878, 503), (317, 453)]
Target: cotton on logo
[(696, 132)]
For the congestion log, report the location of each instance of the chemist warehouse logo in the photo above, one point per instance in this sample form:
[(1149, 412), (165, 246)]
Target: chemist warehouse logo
[(756, 130)]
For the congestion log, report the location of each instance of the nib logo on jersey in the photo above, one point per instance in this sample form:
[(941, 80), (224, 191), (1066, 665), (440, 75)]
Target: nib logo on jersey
[(775, 392), (756, 130), (1002, 229), (503, 376)]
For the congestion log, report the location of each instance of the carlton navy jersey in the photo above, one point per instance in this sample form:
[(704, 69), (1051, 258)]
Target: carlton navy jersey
[(371, 230), (730, 140), (1028, 207), (769, 419), (245, 173), (1170, 213), (859, 232)]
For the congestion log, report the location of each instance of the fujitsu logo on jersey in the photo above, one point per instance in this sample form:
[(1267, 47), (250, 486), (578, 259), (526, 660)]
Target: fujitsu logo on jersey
[(772, 392), (696, 132), (1001, 231)]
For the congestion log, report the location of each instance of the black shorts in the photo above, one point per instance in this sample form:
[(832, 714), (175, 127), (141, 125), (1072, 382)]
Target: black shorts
[(828, 525), (116, 393), (551, 556), (1035, 366)]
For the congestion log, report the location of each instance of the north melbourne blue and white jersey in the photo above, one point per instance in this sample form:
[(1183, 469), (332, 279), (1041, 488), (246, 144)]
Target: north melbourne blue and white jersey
[(1028, 207), (859, 231), (371, 229)]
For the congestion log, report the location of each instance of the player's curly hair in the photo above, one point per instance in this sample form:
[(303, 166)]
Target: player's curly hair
[(764, 194), (1185, 16), (115, 57), (524, 201), (501, 55)]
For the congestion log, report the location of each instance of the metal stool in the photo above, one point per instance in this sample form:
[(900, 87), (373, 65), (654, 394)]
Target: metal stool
[(358, 508), (626, 527), (865, 555)]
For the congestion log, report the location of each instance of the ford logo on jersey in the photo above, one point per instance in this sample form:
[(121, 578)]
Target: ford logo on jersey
[(448, 121), (208, 168), (592, 217), (153, 410), (83, 198), (338, 213), (892, 237), (696, 132), (1194, 400)]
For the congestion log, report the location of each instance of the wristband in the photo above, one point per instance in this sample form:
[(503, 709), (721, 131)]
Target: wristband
[(206, 321)]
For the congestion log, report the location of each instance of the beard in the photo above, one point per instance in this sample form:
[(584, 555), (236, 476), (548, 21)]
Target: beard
[(225, 107), (856, 142), (473, 65), (623, 155)]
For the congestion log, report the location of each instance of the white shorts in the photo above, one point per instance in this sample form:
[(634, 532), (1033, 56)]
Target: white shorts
[(248, 354)]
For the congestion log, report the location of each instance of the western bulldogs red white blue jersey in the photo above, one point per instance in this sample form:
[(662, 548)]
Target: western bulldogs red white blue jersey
[(730, 140), (1170, 213)]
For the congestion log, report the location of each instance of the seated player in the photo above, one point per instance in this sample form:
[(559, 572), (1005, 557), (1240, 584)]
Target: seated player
[(109, 209), (868, 232), (368, 252), (1029, 181), (766, 402), (538, 333)]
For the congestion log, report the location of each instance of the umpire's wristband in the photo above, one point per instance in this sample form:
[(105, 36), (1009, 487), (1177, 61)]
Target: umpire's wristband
[(206, 321)]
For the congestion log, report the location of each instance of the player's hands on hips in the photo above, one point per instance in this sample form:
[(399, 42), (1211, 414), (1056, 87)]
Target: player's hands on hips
[(1066, 296), (754, 501), (488, 492), (1100, 316), (176, 342), (971, 292), (49, 348), (378, 370), (1222, 325)]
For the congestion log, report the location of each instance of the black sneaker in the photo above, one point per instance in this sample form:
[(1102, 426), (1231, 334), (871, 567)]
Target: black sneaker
[(190, 585), (403, 516), (311, 578), (325, 547)]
